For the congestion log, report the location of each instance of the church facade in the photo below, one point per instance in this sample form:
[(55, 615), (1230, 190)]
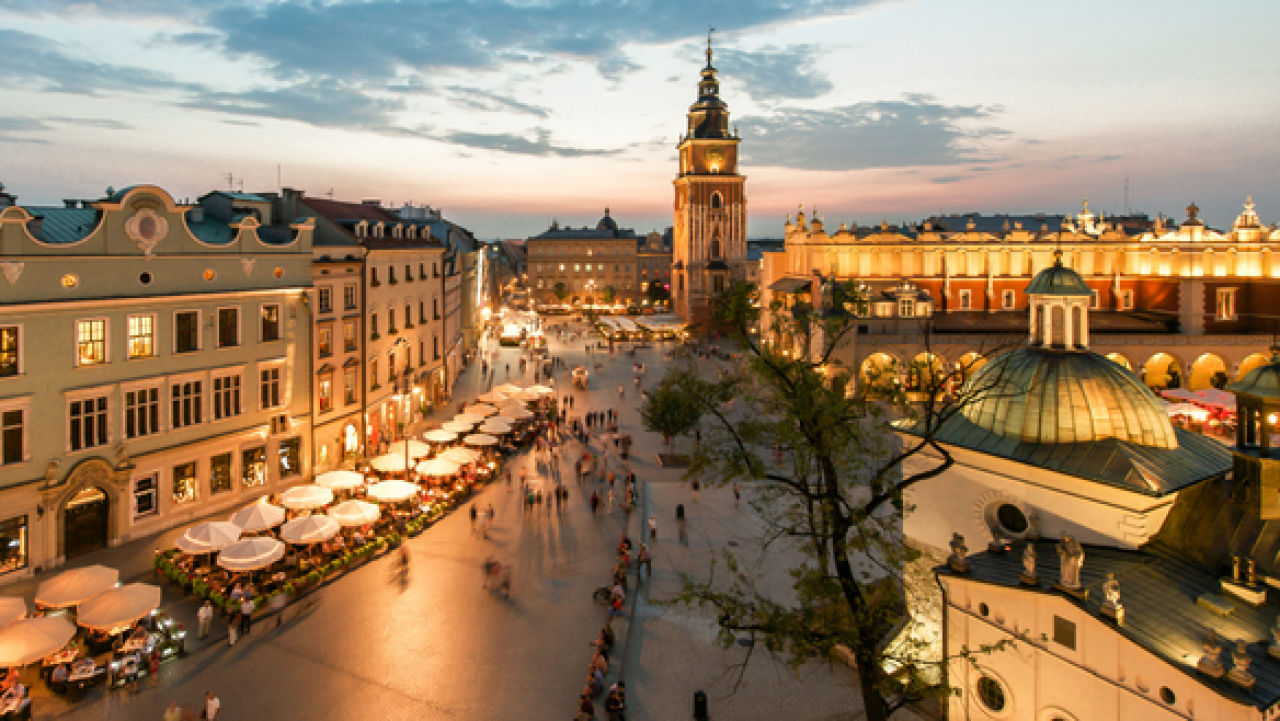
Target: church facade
[(710, 212)]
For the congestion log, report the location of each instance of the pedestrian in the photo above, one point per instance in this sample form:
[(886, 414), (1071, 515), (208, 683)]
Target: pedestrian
[(173, 713), (205, 617), (212, 707), (737, 494), (695, 490), (611, 499), (595, 503), (246, 615), (153, 666), (644, 561), (653, 529), (473, 519)]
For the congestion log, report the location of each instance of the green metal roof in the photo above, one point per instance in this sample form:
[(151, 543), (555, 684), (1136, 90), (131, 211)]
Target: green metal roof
[(1038, 395), (213, 232), (1058, 279), (64, 225)]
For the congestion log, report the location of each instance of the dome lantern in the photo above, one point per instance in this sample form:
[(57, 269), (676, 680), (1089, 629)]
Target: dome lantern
[(1059, 304)]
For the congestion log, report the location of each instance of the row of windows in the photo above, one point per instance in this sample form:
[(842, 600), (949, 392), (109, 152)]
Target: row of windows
[(143, 410), (349, 297), (324, 338), (407, 317), (185, 485), (92, 336), (408, 273), (407, 362), (582, 267), (579, 284)]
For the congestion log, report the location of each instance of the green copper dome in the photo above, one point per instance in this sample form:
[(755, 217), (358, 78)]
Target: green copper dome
[(1033, 395), (1263, 381), (1058, 279)]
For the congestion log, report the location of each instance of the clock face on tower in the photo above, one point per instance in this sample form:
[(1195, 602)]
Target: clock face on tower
[(715, 157)]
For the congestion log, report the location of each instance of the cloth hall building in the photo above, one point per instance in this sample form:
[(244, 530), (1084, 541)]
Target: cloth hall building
[(1179, 304)]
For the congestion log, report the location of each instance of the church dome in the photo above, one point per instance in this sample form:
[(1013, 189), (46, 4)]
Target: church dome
[(1058, 279), (607, 223), (1035, 395)]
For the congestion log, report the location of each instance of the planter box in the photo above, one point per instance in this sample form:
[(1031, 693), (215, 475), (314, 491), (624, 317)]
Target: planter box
[(667, 460)]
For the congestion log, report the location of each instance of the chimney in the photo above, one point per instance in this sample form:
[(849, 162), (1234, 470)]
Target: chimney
[(375, 202), (70, 203)]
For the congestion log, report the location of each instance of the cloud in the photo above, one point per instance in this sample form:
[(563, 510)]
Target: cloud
[(44, 64), (477, 99), (103, 123), (15, 130), (914, 131), (325, 104), (378, 39), (540, 145), (773, 74), (951, 178)]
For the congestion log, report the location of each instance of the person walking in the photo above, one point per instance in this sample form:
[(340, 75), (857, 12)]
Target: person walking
[(173, 713), (212, 707), (153, 666), (653, 529), (473, 519), (595, 504), (695, 487), (205, 617), (246, 615), (737, 494), (611, 498), (644, 561)]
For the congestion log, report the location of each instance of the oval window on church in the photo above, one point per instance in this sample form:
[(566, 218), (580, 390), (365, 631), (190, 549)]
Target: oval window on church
[(1011, 518)]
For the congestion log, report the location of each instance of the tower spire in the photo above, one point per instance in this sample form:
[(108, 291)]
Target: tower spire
[(710, 30)]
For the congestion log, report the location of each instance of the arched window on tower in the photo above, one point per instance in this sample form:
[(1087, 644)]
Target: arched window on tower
[(717, 201)]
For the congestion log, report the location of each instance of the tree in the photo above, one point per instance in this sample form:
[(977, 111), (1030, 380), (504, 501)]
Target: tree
[(608, 295), (665, 411), (832, 476), (561, 291)]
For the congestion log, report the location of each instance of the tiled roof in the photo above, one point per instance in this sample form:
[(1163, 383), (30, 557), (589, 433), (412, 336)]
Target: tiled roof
[(211, 231), (1017, 322), (338, 211), (1158, 591)]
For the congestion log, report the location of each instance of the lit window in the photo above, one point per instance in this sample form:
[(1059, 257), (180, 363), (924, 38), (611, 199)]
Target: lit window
[(1007, 300), (270, 323), (9, 351), (966, 300), (1126, 300), (91, 340), (1226, 304), (324, 344), (142, 336), (184, 483), (907, 308), (349, 386)]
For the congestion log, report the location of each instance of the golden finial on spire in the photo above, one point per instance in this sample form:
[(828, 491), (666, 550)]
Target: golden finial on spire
[(709, 51)]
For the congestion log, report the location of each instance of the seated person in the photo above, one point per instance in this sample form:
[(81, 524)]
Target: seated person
[(139, 632), (338, 543), (616, 701), (59, 677), (593, 687), (357, 538), (237, 592), (599, 663)]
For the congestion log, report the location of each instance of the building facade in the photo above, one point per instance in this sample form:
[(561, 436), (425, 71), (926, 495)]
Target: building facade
[(402, 333), (1181, 305), (154, 366), (710, 228), (590, 266)]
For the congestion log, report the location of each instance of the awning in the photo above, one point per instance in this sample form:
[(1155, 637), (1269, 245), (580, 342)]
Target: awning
[(717, 265), (326, 368), (791, 285)]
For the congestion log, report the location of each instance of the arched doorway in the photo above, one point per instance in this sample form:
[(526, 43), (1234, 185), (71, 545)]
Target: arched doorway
[(879, 371), (1120, 361), (1162, 371), (86, 522), (927, 371), (969, 364), (1253, 361), (1209, 371)]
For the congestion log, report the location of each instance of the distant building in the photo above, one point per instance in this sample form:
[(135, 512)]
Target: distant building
[(154, 366), (594, 266)]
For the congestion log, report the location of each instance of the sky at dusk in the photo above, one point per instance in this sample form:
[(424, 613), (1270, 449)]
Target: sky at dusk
[(509, 114)]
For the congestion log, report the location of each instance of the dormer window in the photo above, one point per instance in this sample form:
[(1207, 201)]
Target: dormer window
[(377, 230), (907, 308), (412, 232), (397, 232), (362, 229)]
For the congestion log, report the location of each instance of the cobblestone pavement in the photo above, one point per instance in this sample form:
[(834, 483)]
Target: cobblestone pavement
[(444, 648)]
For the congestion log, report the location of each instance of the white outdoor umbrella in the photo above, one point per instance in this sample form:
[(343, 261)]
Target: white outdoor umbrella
[(507, 388), (251, 554), (457, 427), (392, 491), (437, 467), (460, 455), (542, 390), (480, 409), (517, 413), (304, 497), (472, 418), (31, 639), (312, 529), (480, 439), (208, 537), (12, 608), (340, 480), (119, 606), (496, 429), (528, 395), (258, 516), (492, 397), (440, 435), (389, 463), (501, 419), (354, 513), (76, 586), (417, 449)]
